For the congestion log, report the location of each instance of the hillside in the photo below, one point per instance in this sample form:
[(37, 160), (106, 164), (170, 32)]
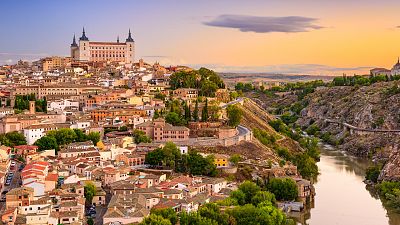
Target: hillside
[(256, 117), (370, 107)]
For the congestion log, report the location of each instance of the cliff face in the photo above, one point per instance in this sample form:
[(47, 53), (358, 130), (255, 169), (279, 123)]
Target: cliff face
[(372, 107)]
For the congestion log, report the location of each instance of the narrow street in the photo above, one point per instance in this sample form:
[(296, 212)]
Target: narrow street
[(14, 183)]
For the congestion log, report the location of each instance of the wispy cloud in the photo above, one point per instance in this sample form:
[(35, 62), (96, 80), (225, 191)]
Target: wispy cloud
[(265, 24)]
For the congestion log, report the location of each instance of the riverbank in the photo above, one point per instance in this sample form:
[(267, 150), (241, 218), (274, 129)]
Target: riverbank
[(342, 197)]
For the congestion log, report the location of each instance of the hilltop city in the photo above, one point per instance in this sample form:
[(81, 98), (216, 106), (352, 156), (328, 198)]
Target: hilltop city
[(99, 138)]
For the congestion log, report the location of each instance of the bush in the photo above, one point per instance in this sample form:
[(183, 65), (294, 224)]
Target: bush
[(264, 137), (372, 173), (312, 130)]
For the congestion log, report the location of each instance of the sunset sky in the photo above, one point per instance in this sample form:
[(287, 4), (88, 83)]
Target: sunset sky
[(276, 36)]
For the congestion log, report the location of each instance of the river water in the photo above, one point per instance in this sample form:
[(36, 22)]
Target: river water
[(341, 196)]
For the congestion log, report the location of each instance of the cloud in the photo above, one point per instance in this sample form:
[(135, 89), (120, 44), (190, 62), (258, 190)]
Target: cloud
[(266, 24), (309, 69)]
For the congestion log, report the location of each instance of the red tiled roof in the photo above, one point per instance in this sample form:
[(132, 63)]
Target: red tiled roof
[(52, 177), (26, 147)]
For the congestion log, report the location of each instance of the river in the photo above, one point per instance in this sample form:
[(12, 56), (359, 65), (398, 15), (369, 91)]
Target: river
[(341, 196)]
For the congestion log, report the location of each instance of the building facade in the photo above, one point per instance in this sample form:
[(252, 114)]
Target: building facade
[(103, 51)]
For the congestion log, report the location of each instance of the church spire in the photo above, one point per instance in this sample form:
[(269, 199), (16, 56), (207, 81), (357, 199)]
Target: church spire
[(84, 38), (74, 42), (129, 39)]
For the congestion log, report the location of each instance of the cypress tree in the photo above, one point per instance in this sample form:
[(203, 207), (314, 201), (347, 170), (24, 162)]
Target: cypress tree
[(204, 113), (196, 111)]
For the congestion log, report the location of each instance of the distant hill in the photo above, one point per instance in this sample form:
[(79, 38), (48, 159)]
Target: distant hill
[(231, 78)]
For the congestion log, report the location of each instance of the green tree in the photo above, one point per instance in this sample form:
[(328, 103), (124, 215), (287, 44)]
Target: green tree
[(188, 116), (212, 211), (90, 221), (199, 165), (263, 196), (234, 115), (195, 218), (156, 114), (239, 196), (46, 143), (141, 137), (63, 136), (174, 119), (283, 188), (235, 159), (251, 215), (94, 137), (168, 213), (80, 136), (306, 165), (154, 219), (14, 138), (372, 173), (196, 111), (123, 128), (90, 191), (249, 189), (204, 113), (155, 158)]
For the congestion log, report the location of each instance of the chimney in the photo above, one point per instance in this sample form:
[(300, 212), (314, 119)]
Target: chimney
[(32, 107)]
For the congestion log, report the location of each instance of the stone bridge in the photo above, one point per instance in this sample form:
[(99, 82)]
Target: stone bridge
[(361, 131)]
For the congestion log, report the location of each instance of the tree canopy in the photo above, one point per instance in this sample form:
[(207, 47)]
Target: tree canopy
[(207, 81), (283, 188), (141, 137), (12, 139), (234, 115), (90, 191)]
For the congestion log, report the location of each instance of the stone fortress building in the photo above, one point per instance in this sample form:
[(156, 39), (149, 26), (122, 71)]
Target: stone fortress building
[(383, 71), (103, 51)]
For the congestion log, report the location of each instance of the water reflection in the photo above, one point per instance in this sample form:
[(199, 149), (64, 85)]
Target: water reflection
[(342, 197)]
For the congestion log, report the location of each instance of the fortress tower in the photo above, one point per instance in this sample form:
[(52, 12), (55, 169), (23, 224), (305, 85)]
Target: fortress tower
[(103, 51)]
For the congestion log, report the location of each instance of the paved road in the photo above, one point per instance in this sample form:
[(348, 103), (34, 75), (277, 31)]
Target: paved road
[(14, 183), (100, 211), (232, 103)]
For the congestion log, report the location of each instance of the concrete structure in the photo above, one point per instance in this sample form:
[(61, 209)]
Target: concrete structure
[(54, 62), (62, 90), (62, 104), (186, 93), (103, 51), (22, 196), (160, 131)]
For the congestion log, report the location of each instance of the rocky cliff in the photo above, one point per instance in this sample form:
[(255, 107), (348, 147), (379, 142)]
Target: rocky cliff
[(375, 107)]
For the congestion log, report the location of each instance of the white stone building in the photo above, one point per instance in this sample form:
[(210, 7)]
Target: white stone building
[(62, 105), (103, 51)]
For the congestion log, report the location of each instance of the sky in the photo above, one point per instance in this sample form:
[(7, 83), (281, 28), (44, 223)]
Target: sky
[(273, 36)]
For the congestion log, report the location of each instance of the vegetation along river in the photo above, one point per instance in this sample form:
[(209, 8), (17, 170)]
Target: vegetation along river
[(341, 196)]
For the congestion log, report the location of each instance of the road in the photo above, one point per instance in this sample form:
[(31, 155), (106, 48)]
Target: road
[(239, 100), (14, 183)]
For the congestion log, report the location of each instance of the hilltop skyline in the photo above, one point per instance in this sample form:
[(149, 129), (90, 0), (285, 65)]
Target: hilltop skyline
[(266, 36)]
